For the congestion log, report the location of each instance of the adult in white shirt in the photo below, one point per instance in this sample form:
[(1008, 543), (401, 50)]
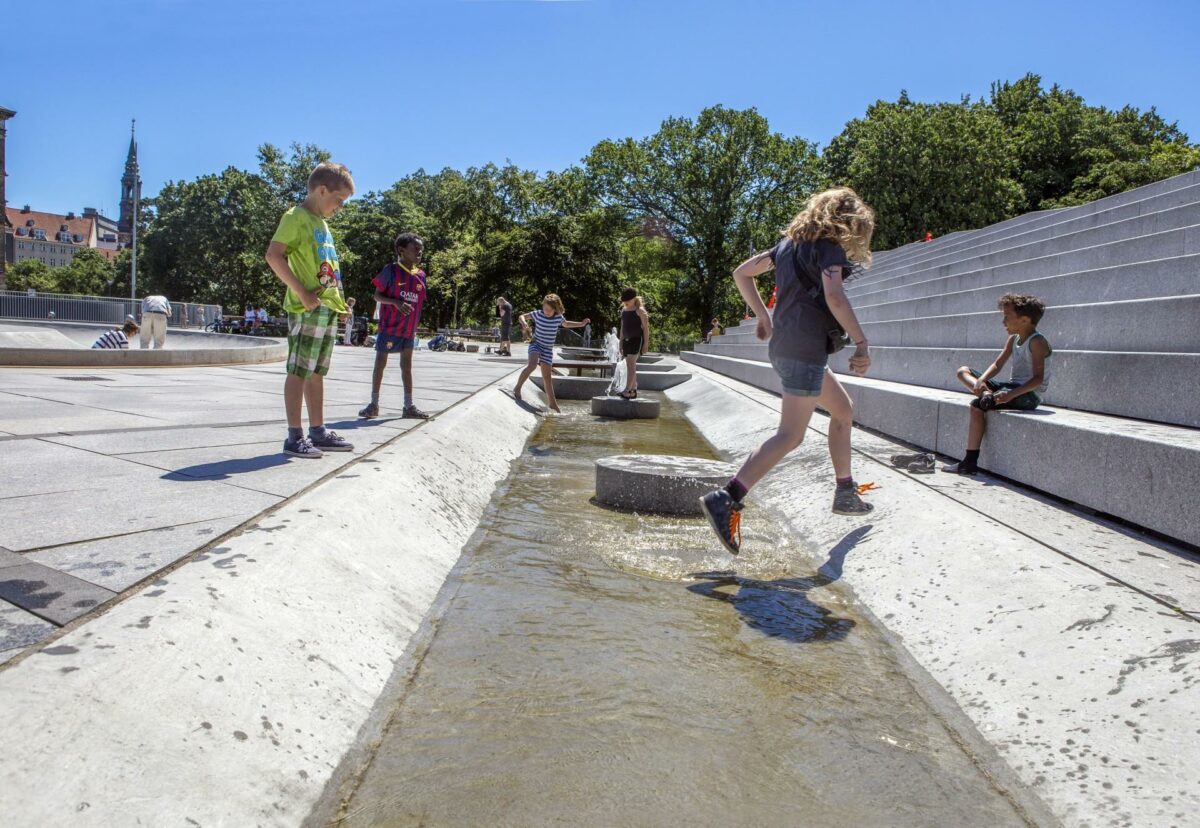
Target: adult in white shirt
[(155, 310)]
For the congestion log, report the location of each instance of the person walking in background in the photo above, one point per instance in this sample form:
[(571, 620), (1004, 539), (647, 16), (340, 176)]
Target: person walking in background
[(302, 255), (117, 337), (155, 310), (399, 294), (349, 334), (504, 312), (833, 230), (635, 337)]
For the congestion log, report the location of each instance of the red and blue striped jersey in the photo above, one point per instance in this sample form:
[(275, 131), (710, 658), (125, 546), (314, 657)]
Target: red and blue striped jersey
[(395, 281)]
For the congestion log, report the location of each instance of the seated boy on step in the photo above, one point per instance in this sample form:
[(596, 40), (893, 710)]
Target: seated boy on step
[(1030, 374)]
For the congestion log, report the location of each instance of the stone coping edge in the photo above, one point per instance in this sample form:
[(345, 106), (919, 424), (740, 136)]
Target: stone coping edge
[(229, 691)]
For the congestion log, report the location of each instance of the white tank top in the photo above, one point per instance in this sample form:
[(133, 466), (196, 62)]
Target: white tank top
[(1022, 363)]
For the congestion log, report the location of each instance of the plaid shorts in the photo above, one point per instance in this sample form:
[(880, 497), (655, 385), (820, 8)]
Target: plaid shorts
[(310, 342)]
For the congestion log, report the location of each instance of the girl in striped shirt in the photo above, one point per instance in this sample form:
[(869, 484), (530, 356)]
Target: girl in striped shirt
[(546, 323)]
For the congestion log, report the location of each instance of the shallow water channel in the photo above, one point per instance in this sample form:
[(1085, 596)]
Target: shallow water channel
[(584, 673)]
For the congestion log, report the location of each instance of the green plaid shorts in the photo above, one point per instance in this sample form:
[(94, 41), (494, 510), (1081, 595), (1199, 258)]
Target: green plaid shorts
[(310, 342)]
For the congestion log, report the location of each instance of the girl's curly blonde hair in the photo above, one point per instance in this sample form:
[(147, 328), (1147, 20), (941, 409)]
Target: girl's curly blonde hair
[(838, 215)]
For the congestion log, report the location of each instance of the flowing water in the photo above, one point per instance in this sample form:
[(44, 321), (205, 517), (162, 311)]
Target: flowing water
[(601, 668)]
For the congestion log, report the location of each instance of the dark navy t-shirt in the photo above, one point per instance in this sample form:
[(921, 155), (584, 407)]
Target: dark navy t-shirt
[(801, 323)]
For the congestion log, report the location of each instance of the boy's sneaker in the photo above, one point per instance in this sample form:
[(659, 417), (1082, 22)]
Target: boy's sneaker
[(411, 412), (961, 467), (301, 448), (330, 441), (846, 501), (370, 412), (725, 517), (903, 461), (925, 464)]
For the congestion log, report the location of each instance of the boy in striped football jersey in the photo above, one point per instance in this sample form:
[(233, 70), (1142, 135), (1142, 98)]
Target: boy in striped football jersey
[(399, 293)]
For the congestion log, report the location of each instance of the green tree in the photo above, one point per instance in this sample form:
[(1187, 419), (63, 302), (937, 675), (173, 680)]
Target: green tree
[(287, 174), (719, 184), (927, 167), (89, 273), (208, 239), (31, 273)]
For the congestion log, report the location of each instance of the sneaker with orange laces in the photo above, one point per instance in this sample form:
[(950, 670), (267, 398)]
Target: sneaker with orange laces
[(725, 517)]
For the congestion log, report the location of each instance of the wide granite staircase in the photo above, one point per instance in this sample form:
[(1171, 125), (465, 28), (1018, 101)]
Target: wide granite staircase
[(1121, 280)]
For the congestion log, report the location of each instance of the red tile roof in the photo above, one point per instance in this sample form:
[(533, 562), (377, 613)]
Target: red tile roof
[(50, 223)]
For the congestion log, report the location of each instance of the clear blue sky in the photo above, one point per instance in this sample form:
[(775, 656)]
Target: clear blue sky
[(390, 86)]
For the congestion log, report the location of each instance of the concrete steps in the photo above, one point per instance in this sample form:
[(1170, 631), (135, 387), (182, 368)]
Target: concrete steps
[(1121, 281), (1146, 473)]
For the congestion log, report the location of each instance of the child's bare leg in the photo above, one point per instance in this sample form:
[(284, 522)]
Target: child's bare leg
[(293, 400), (314, 398), (630, 372), (381, 358), (525, 372), (977, 428), (548, 380), (793, 422), (971, 384), (836, 401)]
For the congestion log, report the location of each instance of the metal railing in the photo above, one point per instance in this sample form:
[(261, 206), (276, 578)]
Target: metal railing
[(15, 304)]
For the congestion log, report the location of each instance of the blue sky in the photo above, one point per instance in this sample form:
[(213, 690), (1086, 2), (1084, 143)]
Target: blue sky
[(390, 86)]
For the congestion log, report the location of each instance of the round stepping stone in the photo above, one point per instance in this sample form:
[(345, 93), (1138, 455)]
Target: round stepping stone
[(660, 381), (576, 388), (617, 408), (659, 483)]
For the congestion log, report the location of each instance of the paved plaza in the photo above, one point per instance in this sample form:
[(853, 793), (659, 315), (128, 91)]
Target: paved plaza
[(113, 475)]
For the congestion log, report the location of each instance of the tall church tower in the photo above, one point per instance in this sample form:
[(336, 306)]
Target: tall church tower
[(131, 188)]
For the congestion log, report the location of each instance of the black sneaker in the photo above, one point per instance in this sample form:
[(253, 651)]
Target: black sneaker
[(370, 412), (411, 412), (961, 467), (330, 442), (301, 448), (725, 517), (847, 501)]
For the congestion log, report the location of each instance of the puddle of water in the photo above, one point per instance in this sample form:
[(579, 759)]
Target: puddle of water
[(602, 668)]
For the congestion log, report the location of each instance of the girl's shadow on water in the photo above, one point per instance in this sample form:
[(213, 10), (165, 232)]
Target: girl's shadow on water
[(781, 608)]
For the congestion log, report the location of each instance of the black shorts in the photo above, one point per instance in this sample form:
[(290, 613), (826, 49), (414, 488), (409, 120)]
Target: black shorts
[(631, 346), (506, 332)]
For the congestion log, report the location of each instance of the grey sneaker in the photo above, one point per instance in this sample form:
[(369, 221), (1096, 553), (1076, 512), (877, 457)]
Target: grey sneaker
[(411, 412), (301, 448), (903, 461), (961, 467), (725, 517), (370, 412), (330, 442), (846, 501), (925, 464)]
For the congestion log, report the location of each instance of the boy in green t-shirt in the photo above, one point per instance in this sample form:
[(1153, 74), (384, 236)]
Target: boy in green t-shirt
[(304, 258)]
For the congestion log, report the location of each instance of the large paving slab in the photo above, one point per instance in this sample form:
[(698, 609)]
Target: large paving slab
[(123, 472)]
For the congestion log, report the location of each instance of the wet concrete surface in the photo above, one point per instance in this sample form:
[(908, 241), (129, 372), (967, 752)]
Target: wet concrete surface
[(600, 668)]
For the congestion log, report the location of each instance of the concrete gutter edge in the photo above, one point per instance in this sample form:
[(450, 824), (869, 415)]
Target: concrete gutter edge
[(229, 691), (1073, 683)]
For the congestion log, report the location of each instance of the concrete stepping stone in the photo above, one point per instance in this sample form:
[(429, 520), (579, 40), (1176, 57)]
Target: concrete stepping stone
[(618, 408), (575, 388), (659, 483), (660, 381)]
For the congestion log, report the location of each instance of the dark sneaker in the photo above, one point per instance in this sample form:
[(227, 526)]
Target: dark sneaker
[(903, 461), (301, 448), (847, 501), (330, 442), (961, 467), (925, 464), (725, 517), (411, 412), (370, 412)]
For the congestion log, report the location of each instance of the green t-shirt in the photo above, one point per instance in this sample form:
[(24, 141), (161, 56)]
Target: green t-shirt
[(312, 257)]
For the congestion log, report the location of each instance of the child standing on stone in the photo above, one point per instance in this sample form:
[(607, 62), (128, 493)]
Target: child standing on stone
[(399, 294), (303, 256), (635, 337), (1030, 353), (816, 253), (546, 323)]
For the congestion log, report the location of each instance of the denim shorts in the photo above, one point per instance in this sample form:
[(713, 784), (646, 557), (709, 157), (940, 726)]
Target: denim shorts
[(800, 379)]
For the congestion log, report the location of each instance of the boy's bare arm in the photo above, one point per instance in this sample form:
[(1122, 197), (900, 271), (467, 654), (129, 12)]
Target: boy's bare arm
[(277, 259), (567, 324), (383, 299), (996, 366), (1038, 351)]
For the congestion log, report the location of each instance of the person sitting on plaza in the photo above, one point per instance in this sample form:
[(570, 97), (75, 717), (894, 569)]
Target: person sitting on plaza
[(261, 318), (1030, 353), (249, 319), (155, 311), (710, 329), (117, 337)]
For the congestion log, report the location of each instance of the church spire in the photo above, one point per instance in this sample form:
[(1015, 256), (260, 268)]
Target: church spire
[(131, 185)]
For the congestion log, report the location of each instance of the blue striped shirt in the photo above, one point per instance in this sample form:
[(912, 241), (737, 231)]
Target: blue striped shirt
[(111, 339), (545, 328)]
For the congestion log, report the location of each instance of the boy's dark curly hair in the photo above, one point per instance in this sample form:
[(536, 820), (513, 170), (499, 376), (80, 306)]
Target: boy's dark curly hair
[(405, 239), (1028, 306)]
